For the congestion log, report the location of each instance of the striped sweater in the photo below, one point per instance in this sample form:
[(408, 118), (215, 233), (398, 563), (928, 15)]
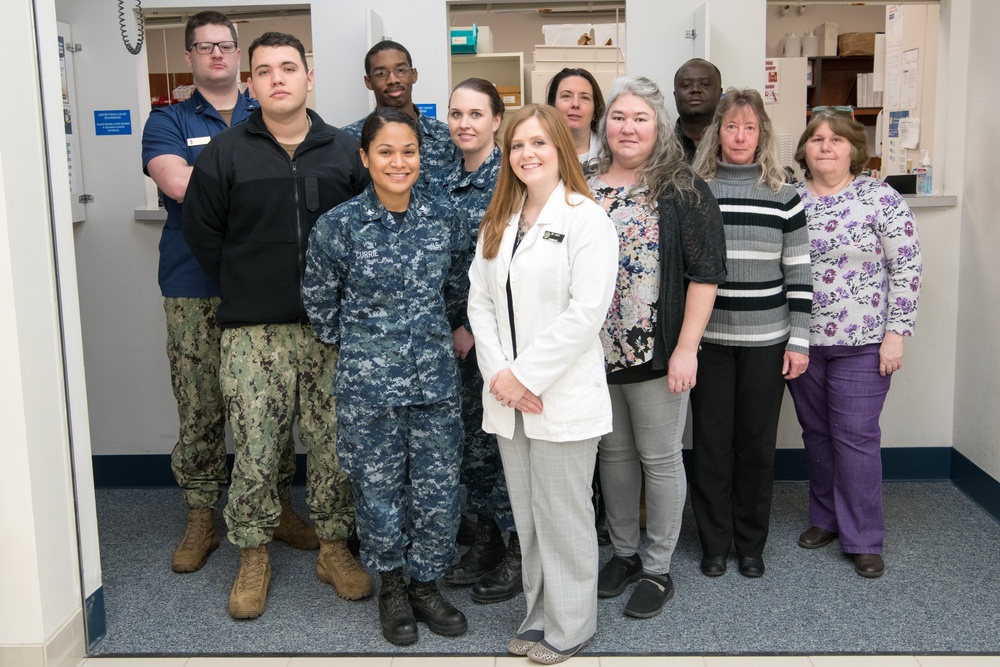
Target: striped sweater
[(767, 296)]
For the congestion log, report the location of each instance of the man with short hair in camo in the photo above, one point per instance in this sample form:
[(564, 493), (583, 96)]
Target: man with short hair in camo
[(254, 196), (172, 139)]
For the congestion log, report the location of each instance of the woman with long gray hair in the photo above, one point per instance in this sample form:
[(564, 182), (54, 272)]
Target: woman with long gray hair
[(757, 337), (672, 256)]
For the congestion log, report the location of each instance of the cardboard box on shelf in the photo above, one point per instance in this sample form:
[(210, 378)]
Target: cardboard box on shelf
[(827, 33), (511, 95), (856, 44)]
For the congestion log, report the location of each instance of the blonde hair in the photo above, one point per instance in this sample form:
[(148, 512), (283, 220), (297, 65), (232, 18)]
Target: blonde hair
[(508, 196), (765, 155)]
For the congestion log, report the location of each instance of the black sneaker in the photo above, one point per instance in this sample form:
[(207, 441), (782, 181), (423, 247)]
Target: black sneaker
[(617, 574), (649, 596)]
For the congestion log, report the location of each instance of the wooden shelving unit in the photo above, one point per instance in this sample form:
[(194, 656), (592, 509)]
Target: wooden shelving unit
[(835, 81)]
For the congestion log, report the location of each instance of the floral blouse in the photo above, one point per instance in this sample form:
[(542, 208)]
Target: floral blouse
[(865, 261), (627, 335)]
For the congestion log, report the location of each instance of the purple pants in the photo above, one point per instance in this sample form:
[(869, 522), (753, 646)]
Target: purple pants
[(838, 401)]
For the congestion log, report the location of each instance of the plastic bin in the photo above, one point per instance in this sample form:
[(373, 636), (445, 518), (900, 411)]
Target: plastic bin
[(464, 40), (566, 34)]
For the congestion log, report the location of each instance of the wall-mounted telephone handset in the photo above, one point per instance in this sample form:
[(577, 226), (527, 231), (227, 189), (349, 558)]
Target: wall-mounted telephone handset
[(140, 29)]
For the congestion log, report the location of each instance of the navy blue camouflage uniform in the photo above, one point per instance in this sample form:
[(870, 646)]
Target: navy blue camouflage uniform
[(438, 153), (389, 289), (482, 469)]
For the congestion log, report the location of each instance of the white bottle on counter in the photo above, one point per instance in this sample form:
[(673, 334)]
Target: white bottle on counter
[(925, 176)]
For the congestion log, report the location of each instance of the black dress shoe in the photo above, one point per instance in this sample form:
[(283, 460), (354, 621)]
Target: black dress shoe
[(713, 566), (751, 567), (869, 565), (430, 608), (504, 581), (617, 574), (814, 538)]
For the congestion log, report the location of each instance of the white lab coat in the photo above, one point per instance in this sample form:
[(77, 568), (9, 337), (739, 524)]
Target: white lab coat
[(561, 289)]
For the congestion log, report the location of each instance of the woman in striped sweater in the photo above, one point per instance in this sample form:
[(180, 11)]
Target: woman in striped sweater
[(757, 336)]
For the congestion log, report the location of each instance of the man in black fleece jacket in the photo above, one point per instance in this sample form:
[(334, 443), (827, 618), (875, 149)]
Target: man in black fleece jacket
[(256, 191)]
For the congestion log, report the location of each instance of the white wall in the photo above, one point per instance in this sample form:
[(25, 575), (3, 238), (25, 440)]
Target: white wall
[(39, 564), (977, 394), (657, 46)]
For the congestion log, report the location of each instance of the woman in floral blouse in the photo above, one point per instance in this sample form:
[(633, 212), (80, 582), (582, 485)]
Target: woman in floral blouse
[(671, 260), (866, 283)]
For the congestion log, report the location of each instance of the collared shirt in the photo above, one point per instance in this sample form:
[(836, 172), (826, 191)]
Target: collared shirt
[(183, 130), (387, 290), (438, 153)]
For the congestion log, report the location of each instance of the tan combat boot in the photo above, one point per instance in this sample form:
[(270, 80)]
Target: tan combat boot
[(250, 590), (199, 540), (336, 566), (293, 531)]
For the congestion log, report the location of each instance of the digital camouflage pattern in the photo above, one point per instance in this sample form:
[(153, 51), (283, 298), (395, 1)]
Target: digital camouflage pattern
[(271, 374), (377, 446), (482, 469), (389, 292), (438, 153), (198, 460)]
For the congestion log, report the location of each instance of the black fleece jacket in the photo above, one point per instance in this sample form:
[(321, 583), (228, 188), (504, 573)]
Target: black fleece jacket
[(249, 209)]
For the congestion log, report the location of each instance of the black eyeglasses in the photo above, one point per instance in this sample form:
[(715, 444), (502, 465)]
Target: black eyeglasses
[(401, 72), (205, 48)]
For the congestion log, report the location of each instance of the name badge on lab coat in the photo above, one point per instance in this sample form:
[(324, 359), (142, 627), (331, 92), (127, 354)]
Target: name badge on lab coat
[(553, 236), (198, 141)]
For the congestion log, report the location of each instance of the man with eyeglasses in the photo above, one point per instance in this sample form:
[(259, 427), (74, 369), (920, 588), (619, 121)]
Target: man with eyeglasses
[(390, 75), (171, 141)]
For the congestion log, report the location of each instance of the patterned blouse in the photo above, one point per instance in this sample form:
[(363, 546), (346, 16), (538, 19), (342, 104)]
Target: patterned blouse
[(865, 261), (627, 335)]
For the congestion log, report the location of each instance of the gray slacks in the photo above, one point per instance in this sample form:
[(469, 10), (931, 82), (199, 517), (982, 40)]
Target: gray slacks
[(648, 425), (550, 493)]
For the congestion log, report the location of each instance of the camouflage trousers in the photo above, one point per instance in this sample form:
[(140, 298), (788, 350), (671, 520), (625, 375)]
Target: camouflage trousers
[(482, 469), (194, 350), (376, 445), (271, 374)]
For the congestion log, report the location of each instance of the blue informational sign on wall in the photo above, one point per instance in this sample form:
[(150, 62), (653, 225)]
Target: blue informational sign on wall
[(113, 121), (429, 110), (894, 118)]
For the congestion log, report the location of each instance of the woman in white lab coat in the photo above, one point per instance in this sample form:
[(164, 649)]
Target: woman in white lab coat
[(541, 284)]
